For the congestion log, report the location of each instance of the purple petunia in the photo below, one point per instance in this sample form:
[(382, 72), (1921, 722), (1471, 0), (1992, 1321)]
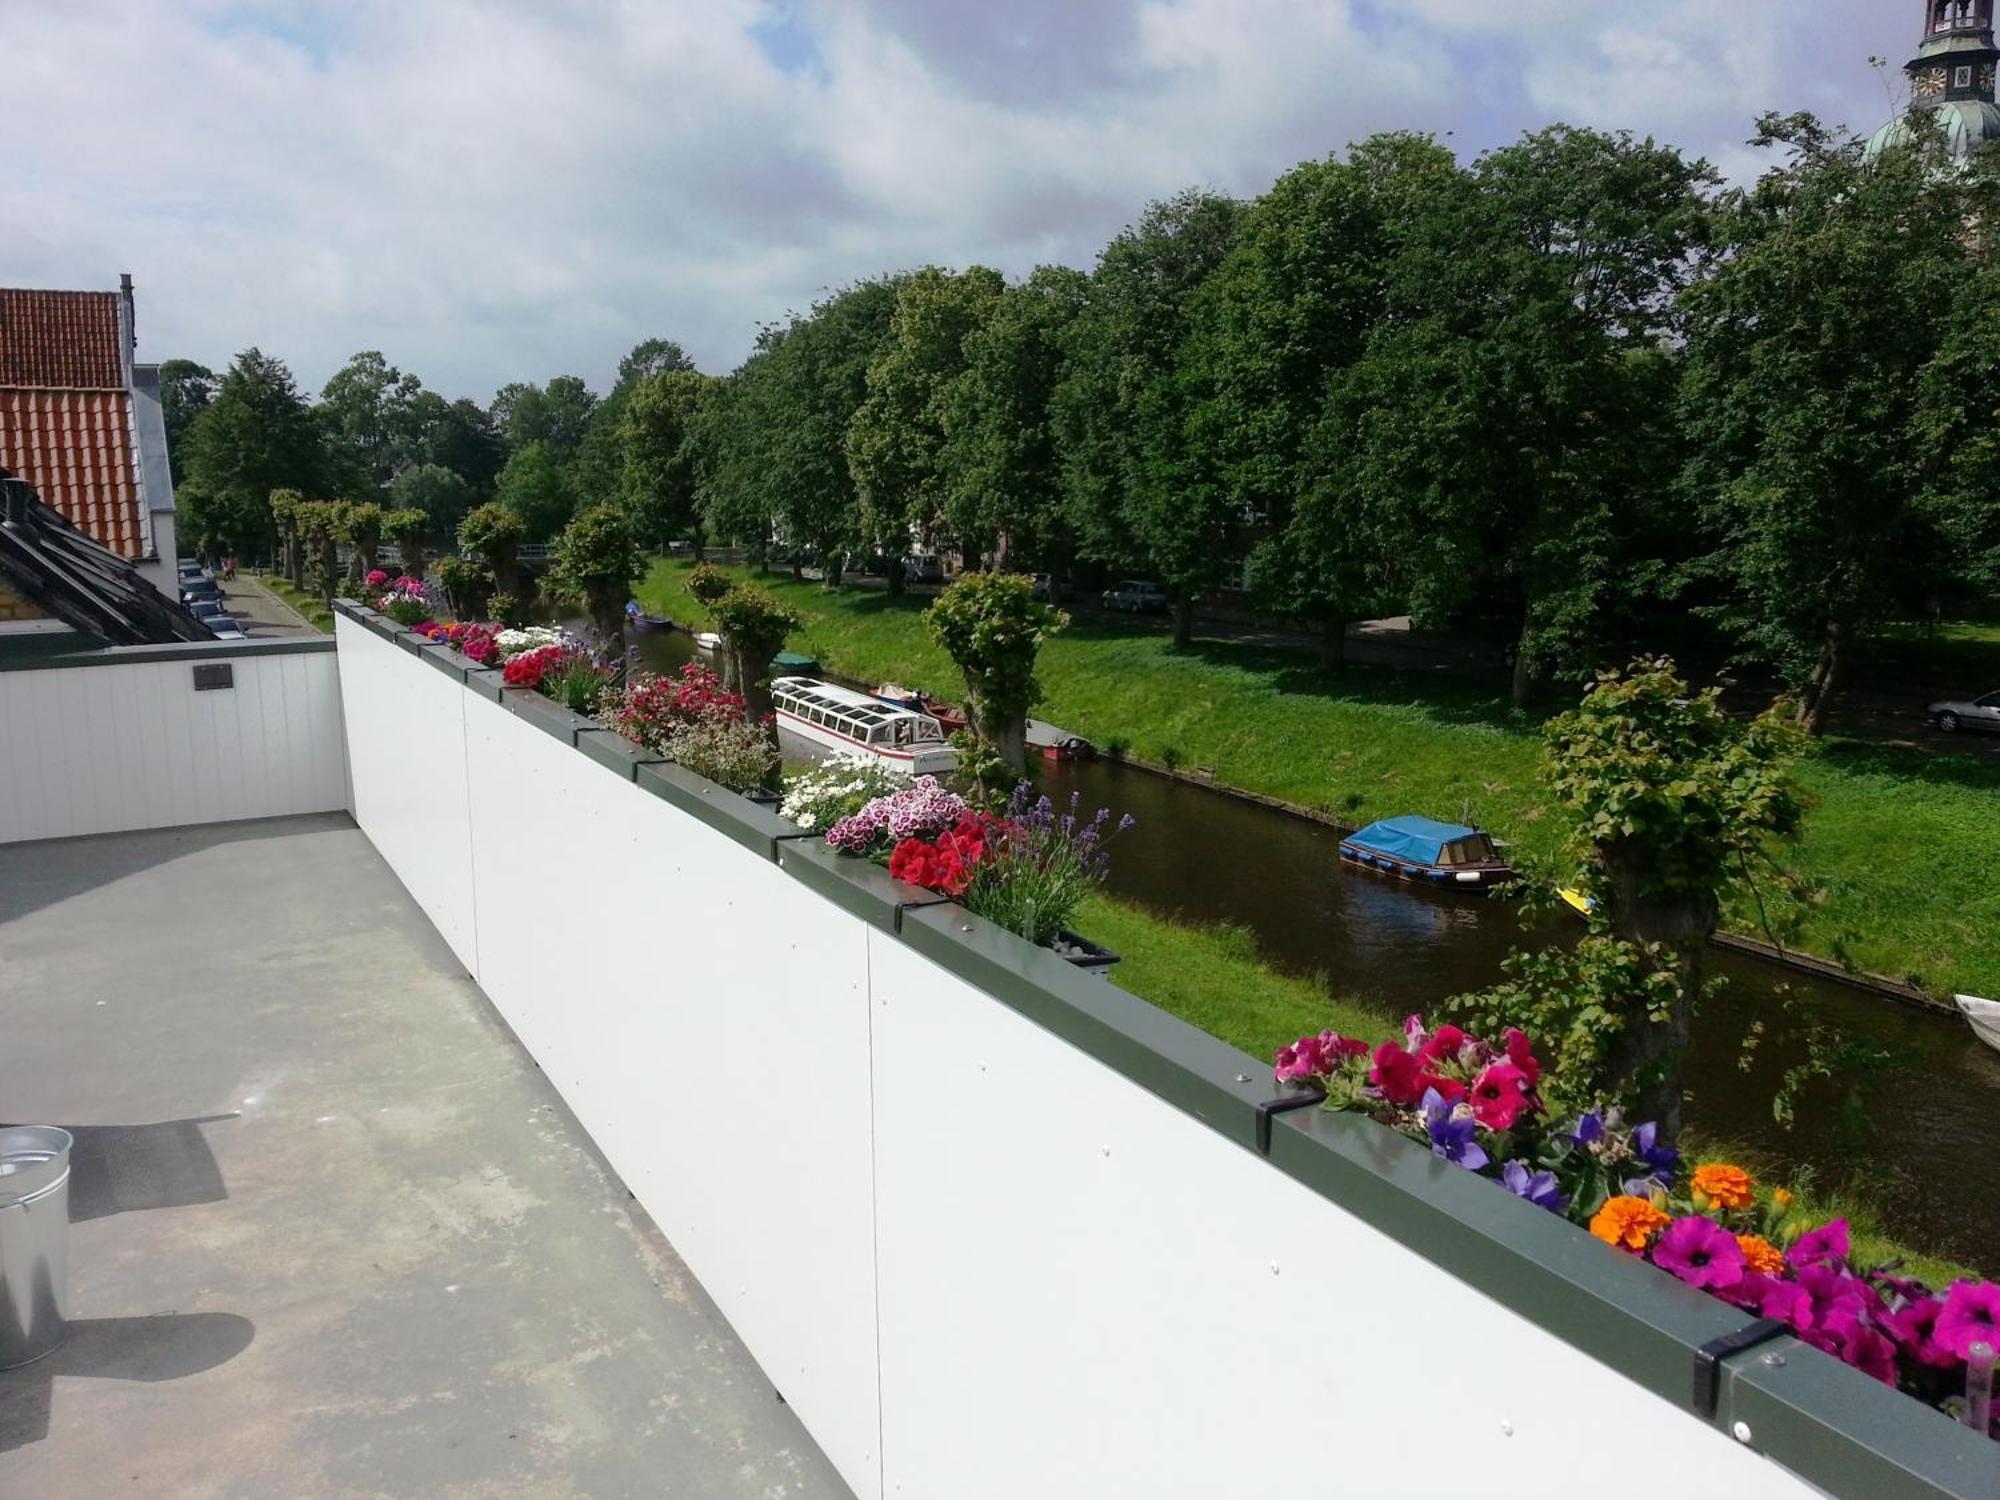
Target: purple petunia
[(1539, 1188), (1971, 1316), (1826, 1245), (1662, 1159), (1453, 1131)]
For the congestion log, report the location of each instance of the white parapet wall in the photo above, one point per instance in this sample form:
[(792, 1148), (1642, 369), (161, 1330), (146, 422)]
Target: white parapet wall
[(125, 739), (969, 1235)]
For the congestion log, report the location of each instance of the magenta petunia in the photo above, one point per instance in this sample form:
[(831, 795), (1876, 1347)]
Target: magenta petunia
[(1913, 1327), (1971, 1316), (1396, 1074), (1699, 1251), (1849, 1335), (1499, 1095), (1521, 1053), (1828, 1243)]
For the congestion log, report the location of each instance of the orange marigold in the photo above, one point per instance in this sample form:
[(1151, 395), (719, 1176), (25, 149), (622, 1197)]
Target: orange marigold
[(1782, 1197), (1628, 1222), (1724, 1186), (1759, 1254)]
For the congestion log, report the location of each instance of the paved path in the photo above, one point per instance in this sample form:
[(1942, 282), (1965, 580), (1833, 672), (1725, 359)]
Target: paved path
[(333, 1233), (265, 613)]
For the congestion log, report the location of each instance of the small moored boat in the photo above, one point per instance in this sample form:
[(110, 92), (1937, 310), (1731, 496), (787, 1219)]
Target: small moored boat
[(1428, 852), (707, 640), (841, 719), (949, 715), (794, 663), (638, 619), (1051, 743), (1984, 1016)]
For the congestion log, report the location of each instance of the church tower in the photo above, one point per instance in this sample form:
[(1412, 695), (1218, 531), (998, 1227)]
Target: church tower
[(1951, 78)]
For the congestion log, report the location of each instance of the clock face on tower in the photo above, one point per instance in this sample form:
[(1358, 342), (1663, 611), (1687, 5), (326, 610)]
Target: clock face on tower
[(1928, 83)]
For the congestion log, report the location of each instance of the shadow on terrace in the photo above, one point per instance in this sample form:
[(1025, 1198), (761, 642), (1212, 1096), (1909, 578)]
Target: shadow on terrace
[(331, 1231)]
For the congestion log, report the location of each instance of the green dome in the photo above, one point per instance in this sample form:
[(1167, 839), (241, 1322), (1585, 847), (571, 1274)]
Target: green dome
[(1967, 124)]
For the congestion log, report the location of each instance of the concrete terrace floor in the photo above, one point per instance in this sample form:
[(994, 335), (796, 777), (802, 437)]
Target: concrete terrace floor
[(332, 1234)]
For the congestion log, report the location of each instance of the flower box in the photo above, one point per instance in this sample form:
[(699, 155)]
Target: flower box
[(1083, 953)]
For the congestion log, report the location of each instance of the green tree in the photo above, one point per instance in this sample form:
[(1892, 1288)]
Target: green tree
[(1139, 493), (596, 564), (1002, 478), (556, 415), (320, 524), (535, 487), (459, 436), (734, 435), (409, 528), (289, 559), (753, 626), (187, 390), (661, 450), (361, 529), (367, 410), (896, 442), (492, 534), (257, 436), (992, 627), (1804, 398), (441, 494), (1958, 437), (598, 471)]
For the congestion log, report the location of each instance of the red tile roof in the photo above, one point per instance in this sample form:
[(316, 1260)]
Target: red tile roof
[(75, 449), (66, 340), (65, 413)]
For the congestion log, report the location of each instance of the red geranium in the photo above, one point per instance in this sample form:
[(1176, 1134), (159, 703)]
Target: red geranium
[(529, 668)]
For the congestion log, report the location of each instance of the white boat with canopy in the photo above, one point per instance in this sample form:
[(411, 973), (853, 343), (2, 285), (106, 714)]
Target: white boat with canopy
[(902, 739)]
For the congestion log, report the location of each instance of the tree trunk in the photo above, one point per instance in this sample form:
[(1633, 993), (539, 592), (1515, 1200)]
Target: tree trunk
[(1828, 674), (1183, 620), (414, 561), (1648, 1055), (831, 575), (895, 575), (1524, 657), (1333, 644), (749, 664)]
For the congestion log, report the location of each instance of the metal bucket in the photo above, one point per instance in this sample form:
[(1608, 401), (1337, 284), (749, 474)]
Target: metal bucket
[(34, 1242)]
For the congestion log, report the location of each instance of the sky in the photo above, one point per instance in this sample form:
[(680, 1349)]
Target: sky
[(499, 190)]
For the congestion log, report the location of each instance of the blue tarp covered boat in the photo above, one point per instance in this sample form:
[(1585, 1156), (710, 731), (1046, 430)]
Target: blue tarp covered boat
[(1423, 849)]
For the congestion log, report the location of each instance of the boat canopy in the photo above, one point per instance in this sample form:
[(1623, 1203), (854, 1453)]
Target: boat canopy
[(1416, 841)]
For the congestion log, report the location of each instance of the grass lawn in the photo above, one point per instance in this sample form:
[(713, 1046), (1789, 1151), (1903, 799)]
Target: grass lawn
[(1213, 978), (310, 605), (1899, 842)]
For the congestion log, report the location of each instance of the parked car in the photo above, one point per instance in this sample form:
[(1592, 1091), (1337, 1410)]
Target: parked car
[(924, 567), (225, 629), (1955, 714), (1137, 595), (208, 611), (206, 588)]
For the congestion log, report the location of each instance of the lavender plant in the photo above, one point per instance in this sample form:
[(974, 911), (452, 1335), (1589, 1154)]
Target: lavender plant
[(1039, 865)]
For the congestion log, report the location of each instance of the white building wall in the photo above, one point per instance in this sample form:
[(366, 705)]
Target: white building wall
[(110, 748)]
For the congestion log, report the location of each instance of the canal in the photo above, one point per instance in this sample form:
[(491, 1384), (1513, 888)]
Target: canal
[(1206, 857)]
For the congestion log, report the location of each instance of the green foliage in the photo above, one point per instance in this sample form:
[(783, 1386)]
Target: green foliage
[(708, 584), (556, 417), (596, 565), (441, 496), (579, 684), (983, 777), (535, 487), (493, 533), (752, 619), (187, 389), (896, 440), (372, 424), (1664, 796), (467, 587), (258, 435), (660, 446), (993, 627)]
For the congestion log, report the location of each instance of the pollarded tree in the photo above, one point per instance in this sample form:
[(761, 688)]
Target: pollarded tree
[(896, 442), (753, 626), (993, 627), (361, 529), (409, 529), (493, 534), (321, 523), (596, 564), (1670, 807), (290, 557)]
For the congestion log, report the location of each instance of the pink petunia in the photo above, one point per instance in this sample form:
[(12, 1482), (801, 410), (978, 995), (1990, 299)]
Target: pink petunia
[(1971, 1316), (1828, 1243), (1699, 1251), (1396, 1074), (1499, 1095)]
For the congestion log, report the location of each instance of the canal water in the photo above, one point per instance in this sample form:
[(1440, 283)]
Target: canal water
[(1206, 857)]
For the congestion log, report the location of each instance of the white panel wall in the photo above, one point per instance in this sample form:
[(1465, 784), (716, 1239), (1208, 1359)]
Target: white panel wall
[(106, 749), (407, 756), (975, 1261)]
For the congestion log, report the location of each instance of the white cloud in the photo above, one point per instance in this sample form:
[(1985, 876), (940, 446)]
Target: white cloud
[(491, 190)]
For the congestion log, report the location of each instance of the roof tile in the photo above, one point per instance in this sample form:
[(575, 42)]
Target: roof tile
[(75, 449), (60, 339)]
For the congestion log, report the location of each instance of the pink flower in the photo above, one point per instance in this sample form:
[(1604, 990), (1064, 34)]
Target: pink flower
[(1699, 1251), (1317, 1056), (1971, 1316), (1913, 1327), (1499, 1095), (1849, 1335), (377, 578), (1828, 1243), (1396, 1074), (1521, 1053), (1443, 1045)]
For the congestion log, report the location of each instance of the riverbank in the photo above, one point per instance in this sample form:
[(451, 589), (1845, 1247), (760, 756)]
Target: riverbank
[(1889, 846), (1214, 978)]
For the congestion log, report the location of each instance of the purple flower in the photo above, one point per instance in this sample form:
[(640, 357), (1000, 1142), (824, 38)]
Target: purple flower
[(1971, 1316), (1662, 1159), (1589, 1128), (1452, 1131), (1699, 1251), (1826, 1245), (1539, 1188)]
